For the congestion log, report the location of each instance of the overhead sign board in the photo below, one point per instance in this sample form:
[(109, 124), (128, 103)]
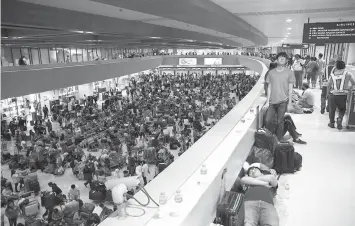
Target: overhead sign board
[(187, 61), (335, 32), (295, 46)]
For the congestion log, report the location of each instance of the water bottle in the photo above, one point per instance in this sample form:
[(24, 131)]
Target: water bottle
[(287, 191), (178, 196), (203, 169), (162, 198)]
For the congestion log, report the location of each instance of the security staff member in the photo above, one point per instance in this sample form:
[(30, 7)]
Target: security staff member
[(338, 87)]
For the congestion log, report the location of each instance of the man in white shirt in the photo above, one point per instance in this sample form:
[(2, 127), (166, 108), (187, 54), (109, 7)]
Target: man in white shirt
[(139, 172), (145, 172), (307, 100)]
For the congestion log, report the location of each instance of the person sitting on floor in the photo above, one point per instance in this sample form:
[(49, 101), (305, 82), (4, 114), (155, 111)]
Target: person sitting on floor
[(307, 99), (258, 199)]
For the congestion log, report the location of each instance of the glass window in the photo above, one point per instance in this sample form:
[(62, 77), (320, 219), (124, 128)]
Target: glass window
[(6, 57), (53, 56), (79, 54), (73, 55), (98, 54), (34, 55), (25, 53), (16, 53), (60, 55), (67, 55), (110, 53), (85, 55), (44, 56), (90, 55)]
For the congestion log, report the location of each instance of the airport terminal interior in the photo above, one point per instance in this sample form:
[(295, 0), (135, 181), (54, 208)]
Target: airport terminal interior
[(179, 113)]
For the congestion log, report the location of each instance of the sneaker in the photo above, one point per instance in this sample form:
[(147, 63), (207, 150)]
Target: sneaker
[(322, 111), (331, 125), (339, 124), (299, 141)]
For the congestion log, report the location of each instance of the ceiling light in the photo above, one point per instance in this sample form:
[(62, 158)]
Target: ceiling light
[(289, 28), (288, 20), (89, 32), (5, 37), (80, 32), (155, 37)]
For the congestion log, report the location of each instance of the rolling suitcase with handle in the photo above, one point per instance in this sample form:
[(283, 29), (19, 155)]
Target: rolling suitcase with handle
[(230, 211)]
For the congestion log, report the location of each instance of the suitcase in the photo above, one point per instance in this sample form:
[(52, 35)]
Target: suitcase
[(32, 208), (230, 212), (284, 161)]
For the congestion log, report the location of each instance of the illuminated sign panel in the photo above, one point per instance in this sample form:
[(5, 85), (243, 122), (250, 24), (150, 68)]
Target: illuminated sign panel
[(336, 32), (213, 61), (187, 61)]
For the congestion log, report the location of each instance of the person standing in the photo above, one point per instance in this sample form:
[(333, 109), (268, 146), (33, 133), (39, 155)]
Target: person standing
[(312, 70), (324, 98), (279, 96), (338, 87), (145, 172), (45, 111), (298, 70), (321, 65), (12, 212)]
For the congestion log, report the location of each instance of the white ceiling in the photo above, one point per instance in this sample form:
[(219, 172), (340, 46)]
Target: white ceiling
[(270, 16)]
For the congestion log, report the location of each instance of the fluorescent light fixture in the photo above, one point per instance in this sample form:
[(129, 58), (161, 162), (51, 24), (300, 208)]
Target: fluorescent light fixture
[(289, 28), (155, 37), (289, 20), (5, 37), (89, 32), (288, 33), (80, 32)]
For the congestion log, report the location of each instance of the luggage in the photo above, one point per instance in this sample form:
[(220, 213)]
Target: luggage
[(284, 161), (48, 199), (97, 186), (264, 156), (150, 155), (59, 171), (266, 140), (230, 212), (298, 161), (33, 185), (97, 196), (161, 167), (32, 208), (50, 168), (86, 210), (70, 209), (13, 165)]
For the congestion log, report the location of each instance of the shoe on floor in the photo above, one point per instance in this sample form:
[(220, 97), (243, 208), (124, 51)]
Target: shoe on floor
[(322, 111), (331, 125), (299, 141), (339, 124)]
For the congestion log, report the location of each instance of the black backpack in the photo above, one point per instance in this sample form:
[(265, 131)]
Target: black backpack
[(286, 159)]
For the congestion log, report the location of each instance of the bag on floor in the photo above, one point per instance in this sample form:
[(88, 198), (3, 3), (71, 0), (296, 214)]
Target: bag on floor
[(32, 208), (230, 212), (50, 168), (34, 186), (298, 161), (59, 171), (70, 209), (96, 196), (266, 140), (284, 161), (86, 210), (264, 156)]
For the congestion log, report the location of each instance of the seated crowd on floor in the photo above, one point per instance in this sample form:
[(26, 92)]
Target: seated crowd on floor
[(137, 131)]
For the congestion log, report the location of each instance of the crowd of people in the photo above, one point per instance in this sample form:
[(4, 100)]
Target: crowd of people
[(138, 131)]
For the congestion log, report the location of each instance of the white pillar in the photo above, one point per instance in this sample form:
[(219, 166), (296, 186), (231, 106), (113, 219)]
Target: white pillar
[(351, 54)]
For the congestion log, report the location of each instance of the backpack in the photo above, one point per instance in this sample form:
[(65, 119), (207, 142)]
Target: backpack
[(264, 156), (284, 161), (265, 139), (298, 161)]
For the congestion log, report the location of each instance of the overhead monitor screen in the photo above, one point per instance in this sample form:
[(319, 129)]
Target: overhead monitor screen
[(335, 32), (213, 61), (187, 61)]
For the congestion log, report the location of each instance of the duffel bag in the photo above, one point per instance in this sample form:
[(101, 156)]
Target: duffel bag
[(59, 171), (70, 209), (96, 196), (87, 208)]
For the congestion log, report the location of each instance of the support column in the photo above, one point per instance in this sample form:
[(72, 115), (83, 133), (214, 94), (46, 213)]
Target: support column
[(350, 59)]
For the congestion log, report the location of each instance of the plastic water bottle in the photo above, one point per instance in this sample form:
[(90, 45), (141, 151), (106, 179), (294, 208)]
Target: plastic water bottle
[(203, 169), (287, 191), (162, 198), (178, 196)]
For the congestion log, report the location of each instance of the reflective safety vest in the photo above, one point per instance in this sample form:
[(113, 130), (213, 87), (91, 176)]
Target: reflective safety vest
[(338, 83)]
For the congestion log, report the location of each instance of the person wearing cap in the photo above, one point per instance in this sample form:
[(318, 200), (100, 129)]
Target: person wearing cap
[(258, 199), (337, 92)]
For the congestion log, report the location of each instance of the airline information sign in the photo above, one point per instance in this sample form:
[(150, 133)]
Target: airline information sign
[(335, 32)]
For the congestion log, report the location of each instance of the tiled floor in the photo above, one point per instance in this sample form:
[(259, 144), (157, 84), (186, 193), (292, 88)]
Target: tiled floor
[(322, 193)]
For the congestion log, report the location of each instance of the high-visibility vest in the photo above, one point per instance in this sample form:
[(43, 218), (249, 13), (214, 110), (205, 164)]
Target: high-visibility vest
[(338, 86)]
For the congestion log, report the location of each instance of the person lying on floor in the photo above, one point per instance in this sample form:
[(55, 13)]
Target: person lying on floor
[(289, 126), (258, 199)]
